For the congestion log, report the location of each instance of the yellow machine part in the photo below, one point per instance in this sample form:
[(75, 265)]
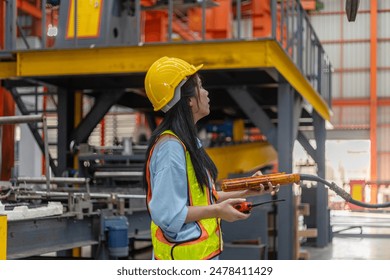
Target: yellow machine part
[(238, 130), (89, 15), (242, 158), (3, 237)]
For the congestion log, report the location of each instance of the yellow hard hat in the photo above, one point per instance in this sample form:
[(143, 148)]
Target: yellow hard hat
[(164, 79)]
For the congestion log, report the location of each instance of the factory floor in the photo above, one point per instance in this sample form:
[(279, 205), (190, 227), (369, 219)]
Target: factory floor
[(356, 236)]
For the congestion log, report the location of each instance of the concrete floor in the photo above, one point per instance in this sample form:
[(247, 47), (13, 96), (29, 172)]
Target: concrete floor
[(361, 236), (356, 236)]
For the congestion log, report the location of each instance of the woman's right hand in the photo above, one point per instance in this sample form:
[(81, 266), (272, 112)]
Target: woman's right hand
[(227, 212)]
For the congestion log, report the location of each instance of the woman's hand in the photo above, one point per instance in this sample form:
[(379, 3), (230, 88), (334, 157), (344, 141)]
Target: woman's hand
[(227, 212), (224, 210), (261, 189)]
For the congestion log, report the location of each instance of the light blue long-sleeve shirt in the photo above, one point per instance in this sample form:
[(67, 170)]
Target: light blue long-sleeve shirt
[(169, 204)]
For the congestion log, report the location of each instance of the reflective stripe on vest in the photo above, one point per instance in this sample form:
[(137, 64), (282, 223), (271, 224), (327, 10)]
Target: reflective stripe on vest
[(209, 243)]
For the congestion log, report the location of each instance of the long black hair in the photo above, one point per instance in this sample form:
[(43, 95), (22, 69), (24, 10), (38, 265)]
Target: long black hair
[(180, 120)]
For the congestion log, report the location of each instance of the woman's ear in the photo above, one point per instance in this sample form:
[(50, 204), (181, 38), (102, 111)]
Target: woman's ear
[(190, 102)]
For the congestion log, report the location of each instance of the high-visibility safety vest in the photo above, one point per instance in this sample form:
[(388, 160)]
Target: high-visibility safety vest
[(209, 243)]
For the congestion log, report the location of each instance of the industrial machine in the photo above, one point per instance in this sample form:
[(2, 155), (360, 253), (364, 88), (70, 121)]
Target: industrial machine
[(74, 212), (275, 85)]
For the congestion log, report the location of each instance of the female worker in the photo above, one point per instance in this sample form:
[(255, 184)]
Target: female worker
[(179, 176)]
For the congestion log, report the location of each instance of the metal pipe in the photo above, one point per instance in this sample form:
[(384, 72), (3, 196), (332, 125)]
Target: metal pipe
[(46, 146), (91, 195), (53, 180), (128, 196), (100, 174), (20, 119), (120, 147)]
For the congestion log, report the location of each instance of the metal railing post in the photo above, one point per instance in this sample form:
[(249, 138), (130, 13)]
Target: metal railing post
[(33, 119), (43, 22), (138, 20), (300, 19), (75, 23), (274, 18), (238, 3), (204, 20), (170, 19), (10, 26)]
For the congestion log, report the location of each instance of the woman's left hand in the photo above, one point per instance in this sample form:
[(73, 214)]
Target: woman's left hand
[(262, 190)]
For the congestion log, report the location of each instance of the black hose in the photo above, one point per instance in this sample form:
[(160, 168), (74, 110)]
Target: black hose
[(341, 192)]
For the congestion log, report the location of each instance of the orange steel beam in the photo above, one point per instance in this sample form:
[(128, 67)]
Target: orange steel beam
[(217, 20), (184, 31), (29, 8), (7, 108), (156, 23), (220, 22), (261, 18), (246, 9), (373, 86), (384, 125), (353, 41), (309, 5), (351, 102), (32, 8), (359, 102)]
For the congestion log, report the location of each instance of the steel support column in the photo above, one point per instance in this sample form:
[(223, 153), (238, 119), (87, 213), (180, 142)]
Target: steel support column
[(102, 105), (65, 113), (323, 223), (306, 145), (288, 119), (255, 113)]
